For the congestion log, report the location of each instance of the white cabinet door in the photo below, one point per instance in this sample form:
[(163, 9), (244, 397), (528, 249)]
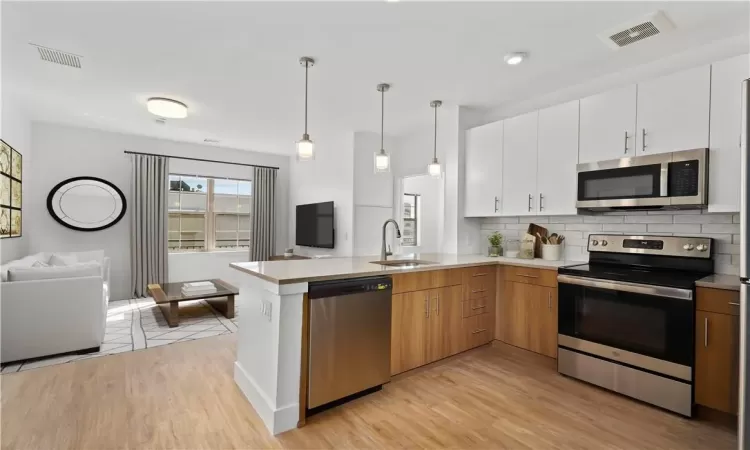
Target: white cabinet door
[(673, 112), (519, 165), (557, 159), (484, 170), (726, 127), (608, 125)]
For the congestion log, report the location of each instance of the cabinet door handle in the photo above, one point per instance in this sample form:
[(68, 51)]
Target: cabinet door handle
[(437, 312), (478, 331), (549, 301), (495, 204), (734, 303), (427, 306), (527, 276), (705, 332), (474, 291), (531, 198), (626, 142), (541, 198), (482, 274), (643, 138), (474, 308)]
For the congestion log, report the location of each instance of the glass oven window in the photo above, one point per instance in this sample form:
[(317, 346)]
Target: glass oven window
[(653, 326), (620, 183)]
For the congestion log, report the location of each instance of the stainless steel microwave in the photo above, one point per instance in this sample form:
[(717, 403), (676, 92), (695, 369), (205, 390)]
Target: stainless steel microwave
[(676, 180)]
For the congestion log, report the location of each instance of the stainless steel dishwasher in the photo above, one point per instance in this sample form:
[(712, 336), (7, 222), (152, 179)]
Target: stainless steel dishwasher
[(350, 338)]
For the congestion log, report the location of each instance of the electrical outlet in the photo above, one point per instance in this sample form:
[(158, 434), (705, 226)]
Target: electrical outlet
[(266, 308)]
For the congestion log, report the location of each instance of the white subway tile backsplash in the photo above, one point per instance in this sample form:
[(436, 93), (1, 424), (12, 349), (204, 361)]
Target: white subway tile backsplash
[(730, 228), (625, 227), (723, 228), (674, 228), (650, 219), (704, 218), (583, 226), (603, 219)]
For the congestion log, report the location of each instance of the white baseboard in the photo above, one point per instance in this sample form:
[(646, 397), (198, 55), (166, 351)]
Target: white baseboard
[(276, 420)]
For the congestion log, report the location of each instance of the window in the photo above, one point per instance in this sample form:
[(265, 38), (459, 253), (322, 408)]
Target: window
[(409, 236), (209, 213)]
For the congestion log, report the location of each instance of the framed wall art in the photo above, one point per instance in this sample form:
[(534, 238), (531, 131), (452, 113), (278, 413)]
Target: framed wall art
[(11, 172)]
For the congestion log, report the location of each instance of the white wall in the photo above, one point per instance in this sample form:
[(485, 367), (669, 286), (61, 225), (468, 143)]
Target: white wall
[(15, 129), (373, 196), (329, 177), (723, 228), (64, 152), (430, 212)]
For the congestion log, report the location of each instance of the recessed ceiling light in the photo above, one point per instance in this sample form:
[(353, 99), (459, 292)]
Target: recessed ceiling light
[(391, 1), (165, 107), (515, 58)]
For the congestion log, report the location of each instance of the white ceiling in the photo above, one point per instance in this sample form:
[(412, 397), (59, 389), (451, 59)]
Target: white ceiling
[(235, 64)]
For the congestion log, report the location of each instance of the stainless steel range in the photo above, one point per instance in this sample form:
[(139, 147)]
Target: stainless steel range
[(627, 318)]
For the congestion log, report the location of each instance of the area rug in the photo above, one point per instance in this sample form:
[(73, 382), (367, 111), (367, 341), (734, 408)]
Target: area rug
[(138, 324)]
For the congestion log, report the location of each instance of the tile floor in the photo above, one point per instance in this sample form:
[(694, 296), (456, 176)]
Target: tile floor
[(138, 324)]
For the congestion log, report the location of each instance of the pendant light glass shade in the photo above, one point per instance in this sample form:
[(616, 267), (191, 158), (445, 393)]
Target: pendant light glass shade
[(305, 149), (434, 169), (305, 146), (382, 160)]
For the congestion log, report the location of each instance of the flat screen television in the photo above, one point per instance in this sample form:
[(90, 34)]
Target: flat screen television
[(315, 225)]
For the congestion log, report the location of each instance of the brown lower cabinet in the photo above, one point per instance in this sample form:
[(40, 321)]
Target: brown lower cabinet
[(426, 326), (527, 317), (717, 349)]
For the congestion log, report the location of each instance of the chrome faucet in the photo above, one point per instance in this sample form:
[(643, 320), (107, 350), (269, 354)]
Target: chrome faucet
[(383, 253)]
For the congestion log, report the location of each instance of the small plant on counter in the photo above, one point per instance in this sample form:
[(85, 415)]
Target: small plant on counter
[(496, 242)]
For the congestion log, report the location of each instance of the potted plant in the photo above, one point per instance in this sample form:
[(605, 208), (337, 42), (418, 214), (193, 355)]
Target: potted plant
[(496, 242)]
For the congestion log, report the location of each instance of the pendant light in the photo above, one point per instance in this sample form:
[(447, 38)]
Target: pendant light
[(382, 159), (434, 168), (306, 147)]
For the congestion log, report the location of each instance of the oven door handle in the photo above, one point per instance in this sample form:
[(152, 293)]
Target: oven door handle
[(623, 286)]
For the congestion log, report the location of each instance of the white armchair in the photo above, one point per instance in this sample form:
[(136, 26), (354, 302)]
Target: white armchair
[(51, 310)]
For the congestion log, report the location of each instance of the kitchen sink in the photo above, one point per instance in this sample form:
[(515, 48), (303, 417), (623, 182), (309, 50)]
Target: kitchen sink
[(403, 262)]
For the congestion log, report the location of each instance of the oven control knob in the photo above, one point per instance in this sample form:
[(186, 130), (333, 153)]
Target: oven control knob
[(594, 242), (702, 247), (688, 247), (604, 243)]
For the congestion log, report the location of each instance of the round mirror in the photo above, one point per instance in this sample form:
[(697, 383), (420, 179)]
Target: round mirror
[(86, 203)]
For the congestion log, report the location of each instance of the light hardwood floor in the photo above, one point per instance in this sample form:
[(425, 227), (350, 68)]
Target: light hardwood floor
[(183, 396)]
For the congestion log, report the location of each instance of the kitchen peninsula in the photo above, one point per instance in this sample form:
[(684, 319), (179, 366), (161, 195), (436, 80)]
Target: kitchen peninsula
[(271, 366)]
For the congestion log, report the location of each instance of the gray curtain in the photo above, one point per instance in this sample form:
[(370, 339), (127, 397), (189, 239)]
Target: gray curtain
[(263, 244), (149, 222)]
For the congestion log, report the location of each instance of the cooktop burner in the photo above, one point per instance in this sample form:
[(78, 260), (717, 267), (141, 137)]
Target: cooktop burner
[(654, 277)]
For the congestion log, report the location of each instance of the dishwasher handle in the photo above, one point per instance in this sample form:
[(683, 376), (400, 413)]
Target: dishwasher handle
[(349, 286)]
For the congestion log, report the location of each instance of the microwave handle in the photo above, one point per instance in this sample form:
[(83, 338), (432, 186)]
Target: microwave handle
[(664, 180)]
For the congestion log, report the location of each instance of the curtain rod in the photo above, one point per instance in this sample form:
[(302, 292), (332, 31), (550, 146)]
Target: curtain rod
[(202, 160)]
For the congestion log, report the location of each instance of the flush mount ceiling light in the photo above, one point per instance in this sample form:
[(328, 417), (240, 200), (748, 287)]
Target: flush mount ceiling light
[(306, 147), (515, 58), (382, 159), (166, 107), (433, 169)]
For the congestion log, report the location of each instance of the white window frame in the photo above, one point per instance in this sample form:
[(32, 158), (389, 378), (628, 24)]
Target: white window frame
[(209, 238)]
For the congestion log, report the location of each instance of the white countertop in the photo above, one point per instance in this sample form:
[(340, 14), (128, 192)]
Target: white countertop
[(298, 271), (720, 281)]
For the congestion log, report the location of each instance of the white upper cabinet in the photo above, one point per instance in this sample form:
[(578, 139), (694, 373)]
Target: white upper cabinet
[(519, 165), (484, 170), (673, 112), (557, 159), (726, 127), (608, 125)]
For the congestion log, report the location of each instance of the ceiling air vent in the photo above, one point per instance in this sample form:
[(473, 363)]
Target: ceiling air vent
[(637, 30), (58, 56), (211, 141)]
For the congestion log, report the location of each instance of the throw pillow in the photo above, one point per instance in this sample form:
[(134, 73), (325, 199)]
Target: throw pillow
[(61, 259)]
